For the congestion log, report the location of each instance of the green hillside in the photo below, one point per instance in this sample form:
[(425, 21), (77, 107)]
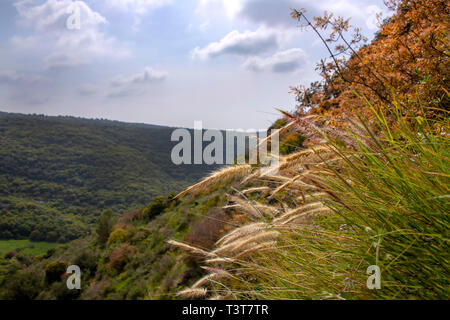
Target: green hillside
[(58, 173)]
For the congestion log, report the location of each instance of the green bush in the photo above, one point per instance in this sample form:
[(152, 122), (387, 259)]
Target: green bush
[(118, 236), (104, 227), (55, 270), (24, 285), (155, 208)]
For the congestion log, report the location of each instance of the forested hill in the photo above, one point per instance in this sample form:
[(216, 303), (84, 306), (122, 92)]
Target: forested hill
[(58, 173)]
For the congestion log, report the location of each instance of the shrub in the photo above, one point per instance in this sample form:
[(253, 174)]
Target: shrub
[(10, 254), (118, 236), (35, 235), (87, 261), (55, 270), (120, 257), (155, 208), (205, 232), (104, 227), (24, 285)]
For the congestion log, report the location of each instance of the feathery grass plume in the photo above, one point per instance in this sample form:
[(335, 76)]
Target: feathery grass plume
[(277, 178), (204, 280), (397, 186), (231, 206), (243, 232), (214, 274), (257, 248), (193, 293), (246, 206), (190, 248), (300, 210), (308, 156), (218, 297), (226, 174), (219, 271), (241, 243), (256, 189), (251, 177), (294, 181), (268, 210), (220, 260), (293, 218), (314, 197)]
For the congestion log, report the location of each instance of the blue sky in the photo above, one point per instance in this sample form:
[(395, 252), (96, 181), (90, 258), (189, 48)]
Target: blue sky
[(229, 63)]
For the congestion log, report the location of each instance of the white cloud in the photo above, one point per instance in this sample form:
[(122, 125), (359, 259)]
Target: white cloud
[(67, 47), (229, 7), (281, 62), (135, 84), (276, 13), (24, 88), (138, 6), (15, 79), (148, 75), (237, 43), (266, 12)]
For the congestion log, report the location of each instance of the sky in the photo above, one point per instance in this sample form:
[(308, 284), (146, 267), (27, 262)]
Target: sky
[(227, 63)]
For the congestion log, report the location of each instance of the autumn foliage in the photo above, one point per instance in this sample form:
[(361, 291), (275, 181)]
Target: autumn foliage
[(407, 62)]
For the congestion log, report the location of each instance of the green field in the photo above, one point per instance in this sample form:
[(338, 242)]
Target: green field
[(25, 246)]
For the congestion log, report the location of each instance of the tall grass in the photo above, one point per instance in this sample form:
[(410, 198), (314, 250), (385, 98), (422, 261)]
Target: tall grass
[(387, 186)]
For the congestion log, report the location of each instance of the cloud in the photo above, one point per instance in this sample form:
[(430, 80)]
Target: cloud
[(15, 79), (229, 7), (243, 44), (281, 62), (276, 13), (273, 13), (263, 12), (135, 84), (138, 6), (68, 48), (25, 88), (148, 75)]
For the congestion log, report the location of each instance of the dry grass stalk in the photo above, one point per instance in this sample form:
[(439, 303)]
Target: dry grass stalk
[(246, 206), (299, 210), (242, 243), (243, 232), (252, 176), (306, 157), (205, 280), (296, 183), (257, 189), (190, 248), (292, 219), (193, 293), (268, 210), (315, 197), (220, 260), (257, 248), (231, 206), (233, 172)]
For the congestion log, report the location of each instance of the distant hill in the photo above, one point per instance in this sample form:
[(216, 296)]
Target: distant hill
[(58, 173)]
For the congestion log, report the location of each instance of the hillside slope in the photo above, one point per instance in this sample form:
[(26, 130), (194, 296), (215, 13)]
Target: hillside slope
[(58, 173)]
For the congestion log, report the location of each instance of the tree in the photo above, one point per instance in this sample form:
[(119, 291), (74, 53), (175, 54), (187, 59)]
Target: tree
[(407, 62), (35, 235), (104, 227)]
